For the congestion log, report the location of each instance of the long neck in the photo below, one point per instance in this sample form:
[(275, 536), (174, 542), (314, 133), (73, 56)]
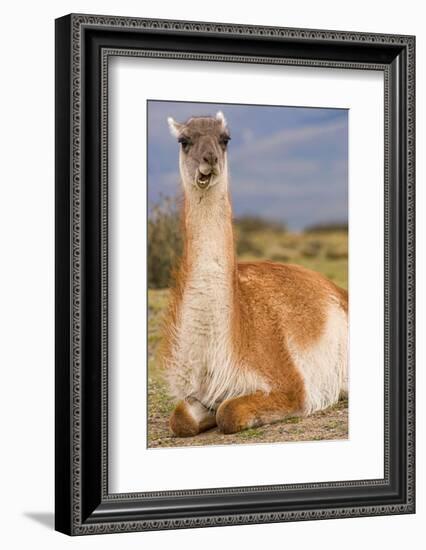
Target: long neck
[(209, 243)]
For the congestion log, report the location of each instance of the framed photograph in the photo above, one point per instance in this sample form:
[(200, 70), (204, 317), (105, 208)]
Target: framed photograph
[(234, 274)]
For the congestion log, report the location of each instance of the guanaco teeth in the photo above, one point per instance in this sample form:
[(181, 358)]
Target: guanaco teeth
[(203, 181)]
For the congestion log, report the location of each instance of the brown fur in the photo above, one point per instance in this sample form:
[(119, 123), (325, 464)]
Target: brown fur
[(184, 424), (271, 302)]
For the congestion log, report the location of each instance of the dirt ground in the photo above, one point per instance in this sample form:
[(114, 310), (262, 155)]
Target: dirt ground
[(329, 424)]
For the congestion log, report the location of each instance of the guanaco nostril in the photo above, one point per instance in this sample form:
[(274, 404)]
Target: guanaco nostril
[(210, 159)]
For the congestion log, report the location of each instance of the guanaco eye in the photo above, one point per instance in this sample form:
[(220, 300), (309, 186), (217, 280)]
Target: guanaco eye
[(185, 142), (224, 140)]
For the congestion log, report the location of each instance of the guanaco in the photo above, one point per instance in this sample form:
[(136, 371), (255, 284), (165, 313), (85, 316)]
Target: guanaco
[(247, 343)]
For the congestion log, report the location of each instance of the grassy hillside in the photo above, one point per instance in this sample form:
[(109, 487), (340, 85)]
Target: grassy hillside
[(325, 252)]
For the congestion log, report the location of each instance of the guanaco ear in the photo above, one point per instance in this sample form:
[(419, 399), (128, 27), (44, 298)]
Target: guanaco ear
[(221, 118), (175, 127)]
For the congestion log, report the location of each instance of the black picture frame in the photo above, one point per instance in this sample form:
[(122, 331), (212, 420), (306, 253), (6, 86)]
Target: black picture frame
[(83, 45)]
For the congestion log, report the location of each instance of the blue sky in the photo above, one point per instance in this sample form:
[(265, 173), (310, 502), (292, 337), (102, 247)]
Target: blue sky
[(287, 164)]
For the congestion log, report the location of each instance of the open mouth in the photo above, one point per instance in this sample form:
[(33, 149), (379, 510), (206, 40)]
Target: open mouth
[(203, 180)]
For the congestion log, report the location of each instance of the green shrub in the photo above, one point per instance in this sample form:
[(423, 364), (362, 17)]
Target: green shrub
[(164, 242), (311, 249), (253, 224), (337, 252), (246, 246), (329, 227)]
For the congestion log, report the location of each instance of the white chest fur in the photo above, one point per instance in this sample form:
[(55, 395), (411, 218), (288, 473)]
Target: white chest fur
[(203, 363)]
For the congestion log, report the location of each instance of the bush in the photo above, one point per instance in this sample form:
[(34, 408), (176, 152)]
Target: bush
[(329, 227), (164, 242), (252, 224), (337, 252), (311, 249), (245, 245)]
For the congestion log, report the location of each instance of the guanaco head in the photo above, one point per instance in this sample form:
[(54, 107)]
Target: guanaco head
[(203, 144)]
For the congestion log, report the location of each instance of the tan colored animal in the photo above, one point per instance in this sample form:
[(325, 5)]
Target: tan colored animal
[(246, 343)]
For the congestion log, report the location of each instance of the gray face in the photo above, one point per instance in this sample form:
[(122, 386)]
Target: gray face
[(203, 143)]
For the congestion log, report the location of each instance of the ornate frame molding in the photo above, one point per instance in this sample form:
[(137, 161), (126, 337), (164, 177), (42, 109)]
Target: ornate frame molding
[(73, 91)]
